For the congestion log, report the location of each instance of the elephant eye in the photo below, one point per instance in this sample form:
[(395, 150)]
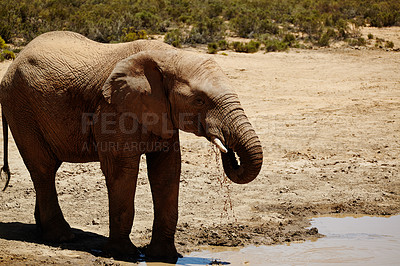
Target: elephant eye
[(199, 102)]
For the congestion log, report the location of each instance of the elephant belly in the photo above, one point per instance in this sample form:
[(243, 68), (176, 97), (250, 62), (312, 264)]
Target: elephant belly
[(82, 152), (67, 138)]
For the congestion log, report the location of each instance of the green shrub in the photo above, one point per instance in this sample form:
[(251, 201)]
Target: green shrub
[(324, 40), (174, 38), (244, 25), (146, 20), (238, 47), (275, 45), (17, 50), (207, 30), (250, 24), (212, 48), (223, 44), (2, 44), (5, 30), (185, 18), (250, 47), (9, 55), (342, 35), (266, 26), (163, 26), (290, 39), (311, 24), (206, 21), (331, 33), (131, 35), (383, 13), (360, 41), (379, 42), (4, 52), (253, 46), (389, 44), (370, 36)]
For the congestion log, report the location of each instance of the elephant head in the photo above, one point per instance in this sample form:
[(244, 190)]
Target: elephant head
[(185, 91)]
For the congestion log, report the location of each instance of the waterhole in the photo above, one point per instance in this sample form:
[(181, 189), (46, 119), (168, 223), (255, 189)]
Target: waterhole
[(348, 240)]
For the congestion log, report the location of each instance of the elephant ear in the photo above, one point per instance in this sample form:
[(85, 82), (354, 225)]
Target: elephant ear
[(136, 86)]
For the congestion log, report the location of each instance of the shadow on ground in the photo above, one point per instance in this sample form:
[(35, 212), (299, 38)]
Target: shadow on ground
[(84, 241)]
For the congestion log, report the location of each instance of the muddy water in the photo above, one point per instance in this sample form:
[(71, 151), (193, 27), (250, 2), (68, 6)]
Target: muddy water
[(349, 240)]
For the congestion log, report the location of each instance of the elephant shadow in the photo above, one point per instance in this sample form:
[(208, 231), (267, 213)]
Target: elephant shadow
[(84, 241)]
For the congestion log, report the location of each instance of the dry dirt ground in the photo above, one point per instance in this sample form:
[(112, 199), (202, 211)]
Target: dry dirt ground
[(329, 122)]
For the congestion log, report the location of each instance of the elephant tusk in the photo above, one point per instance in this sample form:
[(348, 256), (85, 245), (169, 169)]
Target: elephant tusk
[(219, 144)]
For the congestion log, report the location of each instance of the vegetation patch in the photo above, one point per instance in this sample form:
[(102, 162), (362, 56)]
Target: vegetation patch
[(287, 23), (250, 47), (357, 42), (132, 35), (5, 53), (241, 47), (174, 37)]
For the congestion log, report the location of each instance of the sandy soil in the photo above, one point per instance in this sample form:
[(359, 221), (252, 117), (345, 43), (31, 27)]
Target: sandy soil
[(329, 122)]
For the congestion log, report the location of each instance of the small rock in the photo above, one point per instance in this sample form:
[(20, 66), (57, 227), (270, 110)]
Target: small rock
[(313, 231)]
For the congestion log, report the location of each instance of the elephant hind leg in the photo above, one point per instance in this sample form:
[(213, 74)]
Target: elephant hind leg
[(42, 165), (48, 214)]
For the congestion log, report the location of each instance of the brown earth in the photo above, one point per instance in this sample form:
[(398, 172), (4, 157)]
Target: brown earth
[(329, 122)]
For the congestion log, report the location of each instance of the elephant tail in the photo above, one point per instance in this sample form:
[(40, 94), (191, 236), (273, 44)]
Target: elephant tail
[(5, 170)]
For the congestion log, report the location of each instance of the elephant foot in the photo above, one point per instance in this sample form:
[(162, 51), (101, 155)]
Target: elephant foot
[(162, 252), (57, 232), (55, 229), (122, 248)]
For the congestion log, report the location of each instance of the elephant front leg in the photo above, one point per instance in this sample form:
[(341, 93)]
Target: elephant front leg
[(164, 172), (121, 176)]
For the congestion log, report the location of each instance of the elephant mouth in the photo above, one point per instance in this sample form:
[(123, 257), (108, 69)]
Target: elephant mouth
[(232, 159), (227, 153)]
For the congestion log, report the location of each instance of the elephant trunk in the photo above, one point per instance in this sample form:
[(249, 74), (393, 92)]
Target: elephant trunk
[(242, 144), (249, 152)]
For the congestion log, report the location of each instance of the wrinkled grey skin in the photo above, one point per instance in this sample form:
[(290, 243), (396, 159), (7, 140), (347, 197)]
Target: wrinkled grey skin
[(65, 96)]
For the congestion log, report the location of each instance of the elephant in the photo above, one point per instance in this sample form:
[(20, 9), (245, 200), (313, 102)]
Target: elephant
[(66, 98)]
